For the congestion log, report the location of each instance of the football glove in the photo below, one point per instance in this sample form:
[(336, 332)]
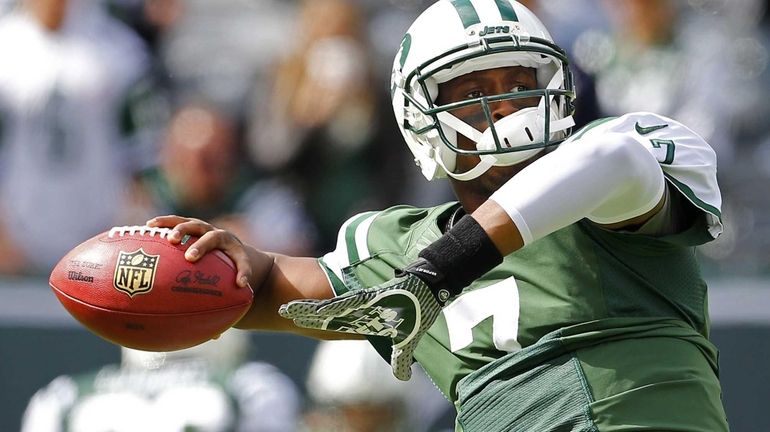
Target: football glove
[(402, 309)]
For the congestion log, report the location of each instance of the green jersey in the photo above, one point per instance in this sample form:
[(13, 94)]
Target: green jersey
[(562, 299)]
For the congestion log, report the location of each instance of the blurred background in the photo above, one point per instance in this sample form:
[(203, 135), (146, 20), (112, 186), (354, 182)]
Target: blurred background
[(272, 118)]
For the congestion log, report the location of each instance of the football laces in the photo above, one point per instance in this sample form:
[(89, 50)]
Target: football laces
[(137, 229)]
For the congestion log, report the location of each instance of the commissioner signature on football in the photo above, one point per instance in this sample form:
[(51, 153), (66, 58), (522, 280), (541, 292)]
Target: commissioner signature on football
[(187, 277)]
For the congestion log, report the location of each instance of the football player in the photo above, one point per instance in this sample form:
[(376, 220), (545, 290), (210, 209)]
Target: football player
[(562, 291)]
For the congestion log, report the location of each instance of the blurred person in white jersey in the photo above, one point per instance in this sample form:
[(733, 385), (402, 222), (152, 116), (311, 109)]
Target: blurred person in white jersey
[(68, 134), (212, 387)]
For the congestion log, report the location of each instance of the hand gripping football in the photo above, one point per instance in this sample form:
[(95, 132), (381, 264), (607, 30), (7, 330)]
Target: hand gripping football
[(132, 287)]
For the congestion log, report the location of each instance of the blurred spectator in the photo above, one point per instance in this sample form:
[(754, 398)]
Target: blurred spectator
[(394, 175), (323, 83), (212, 49), (566, 19), (203, 173), (744, 248), (217, 49), (151, 19), (202, 169), (386, 23), (70, 116), (317, 117), (661, 57), (208, 388), (326, 121), (704, 63), (352, 389)]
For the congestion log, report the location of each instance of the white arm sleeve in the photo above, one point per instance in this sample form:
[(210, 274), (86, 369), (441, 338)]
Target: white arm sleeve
[(608, 178)]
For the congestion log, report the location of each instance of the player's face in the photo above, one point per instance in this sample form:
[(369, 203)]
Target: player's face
[(50, 13), (487, 83)]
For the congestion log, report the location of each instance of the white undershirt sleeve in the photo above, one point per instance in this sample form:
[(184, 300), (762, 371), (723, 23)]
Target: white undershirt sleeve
[(609, 178)]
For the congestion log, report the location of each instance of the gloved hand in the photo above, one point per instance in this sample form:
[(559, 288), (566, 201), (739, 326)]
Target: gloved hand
[(402, 309)]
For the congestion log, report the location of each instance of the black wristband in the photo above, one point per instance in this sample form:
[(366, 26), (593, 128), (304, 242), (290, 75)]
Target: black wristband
[(462, 255)]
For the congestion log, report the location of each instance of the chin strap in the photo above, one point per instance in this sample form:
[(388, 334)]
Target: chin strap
[(486, 162), (468, 131), (563, 123)]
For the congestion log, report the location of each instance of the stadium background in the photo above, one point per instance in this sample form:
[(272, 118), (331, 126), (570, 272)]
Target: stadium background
[(263, 77)]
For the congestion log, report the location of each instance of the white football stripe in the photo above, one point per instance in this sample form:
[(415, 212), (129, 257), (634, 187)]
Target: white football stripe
[(487, 10)]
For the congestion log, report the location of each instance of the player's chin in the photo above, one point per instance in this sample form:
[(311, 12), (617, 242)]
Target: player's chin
[(496, 177)]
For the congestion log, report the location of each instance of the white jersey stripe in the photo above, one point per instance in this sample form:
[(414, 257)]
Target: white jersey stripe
[(342, 245), (362, 233), (342, 256), (335, 262), (338, 259)]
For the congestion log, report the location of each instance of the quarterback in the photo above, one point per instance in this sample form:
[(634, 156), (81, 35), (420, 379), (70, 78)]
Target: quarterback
[(561, 292)]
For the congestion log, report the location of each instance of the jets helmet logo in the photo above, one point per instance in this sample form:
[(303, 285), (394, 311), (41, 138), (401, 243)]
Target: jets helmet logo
[(135, 272)]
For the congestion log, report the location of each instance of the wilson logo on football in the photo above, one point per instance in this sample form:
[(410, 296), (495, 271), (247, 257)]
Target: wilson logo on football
[(135, 272)]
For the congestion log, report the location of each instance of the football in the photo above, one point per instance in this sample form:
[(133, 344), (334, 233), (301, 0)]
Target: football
[(131, 286)]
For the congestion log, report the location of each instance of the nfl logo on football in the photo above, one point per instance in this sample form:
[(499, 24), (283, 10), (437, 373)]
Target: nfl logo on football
[(135, 272)]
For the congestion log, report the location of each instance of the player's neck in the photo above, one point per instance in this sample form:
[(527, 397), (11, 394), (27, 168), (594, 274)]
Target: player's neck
[(469, 199)]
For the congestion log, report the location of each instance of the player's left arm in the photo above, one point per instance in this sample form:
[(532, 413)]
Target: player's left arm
[(609, 178)]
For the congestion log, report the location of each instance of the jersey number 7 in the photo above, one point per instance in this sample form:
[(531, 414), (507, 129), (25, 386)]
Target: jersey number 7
[(499, 301)]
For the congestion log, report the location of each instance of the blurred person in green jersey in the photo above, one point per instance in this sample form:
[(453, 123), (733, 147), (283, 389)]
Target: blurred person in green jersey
[(202, 172), (77, 122), (561, 292)]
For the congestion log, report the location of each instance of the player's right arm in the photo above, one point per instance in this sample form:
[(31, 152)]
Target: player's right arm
[(275, 279)]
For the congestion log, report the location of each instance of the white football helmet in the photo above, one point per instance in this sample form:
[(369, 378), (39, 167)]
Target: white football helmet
[(455, 37), (228, 351)]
